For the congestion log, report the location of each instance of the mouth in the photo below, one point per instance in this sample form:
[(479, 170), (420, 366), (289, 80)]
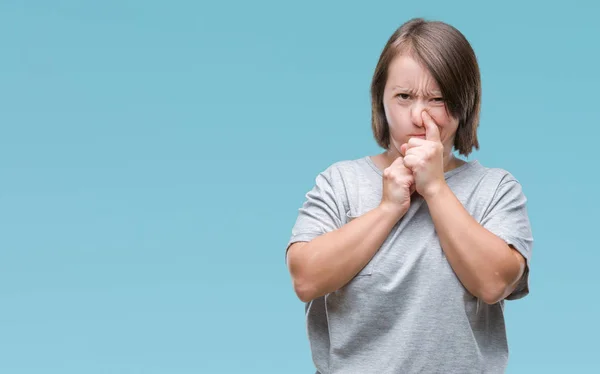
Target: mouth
[(417, 136)]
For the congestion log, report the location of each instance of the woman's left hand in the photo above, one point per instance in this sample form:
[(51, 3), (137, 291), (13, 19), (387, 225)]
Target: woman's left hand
[(425, 157)]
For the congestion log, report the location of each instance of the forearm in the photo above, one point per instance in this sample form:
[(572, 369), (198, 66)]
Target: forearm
[(331, 260), (483, 262)]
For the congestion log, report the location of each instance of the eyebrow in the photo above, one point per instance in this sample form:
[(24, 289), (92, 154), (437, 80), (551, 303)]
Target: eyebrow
[(411, 91)]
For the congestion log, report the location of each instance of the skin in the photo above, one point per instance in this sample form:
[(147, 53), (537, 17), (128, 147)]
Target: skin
[(487, 266), (410, 89)]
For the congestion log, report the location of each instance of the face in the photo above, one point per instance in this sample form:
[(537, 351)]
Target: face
[(410, 89)]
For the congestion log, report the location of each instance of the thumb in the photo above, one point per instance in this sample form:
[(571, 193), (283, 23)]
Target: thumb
[(413, 188)]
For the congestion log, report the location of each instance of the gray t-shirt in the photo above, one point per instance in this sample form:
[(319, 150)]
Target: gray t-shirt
[(406, 311)]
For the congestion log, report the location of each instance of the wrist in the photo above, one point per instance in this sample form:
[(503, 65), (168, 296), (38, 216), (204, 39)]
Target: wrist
[(435, 191), (391, 212)]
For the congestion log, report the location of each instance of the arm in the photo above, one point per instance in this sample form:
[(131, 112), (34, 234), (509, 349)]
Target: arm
[(485, 264), (483, 261), (331, 260)]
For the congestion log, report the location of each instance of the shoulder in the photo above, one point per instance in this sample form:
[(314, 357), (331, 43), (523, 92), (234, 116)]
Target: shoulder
[(499, 181), (344, 169), (499, 176), (348, 179)]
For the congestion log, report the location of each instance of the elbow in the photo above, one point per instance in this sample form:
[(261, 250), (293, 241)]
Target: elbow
[(303, 281), (496, 288), (305, 290), (306, 286), (492, 292), (303, 287), (490, 299)]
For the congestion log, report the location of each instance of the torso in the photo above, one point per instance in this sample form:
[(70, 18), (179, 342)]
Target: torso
[(407, 305)]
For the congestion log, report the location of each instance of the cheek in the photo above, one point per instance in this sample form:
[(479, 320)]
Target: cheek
[(397, 117), (447, 123), (440, 116)]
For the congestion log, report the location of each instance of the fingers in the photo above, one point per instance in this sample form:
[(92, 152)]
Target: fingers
[(403, 149), (400, 174), (432, 132), (412, 148), (415, 142), (411, 161), (398, 161), (412, 143)]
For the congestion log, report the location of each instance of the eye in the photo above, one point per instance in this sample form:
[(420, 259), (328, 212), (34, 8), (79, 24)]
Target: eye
[(403, 96), (438, 99)]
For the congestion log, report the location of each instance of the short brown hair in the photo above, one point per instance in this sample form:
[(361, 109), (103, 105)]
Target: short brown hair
[(448, 56)]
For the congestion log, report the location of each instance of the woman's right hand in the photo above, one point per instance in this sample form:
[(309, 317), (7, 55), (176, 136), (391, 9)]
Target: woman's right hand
[(398, 186)]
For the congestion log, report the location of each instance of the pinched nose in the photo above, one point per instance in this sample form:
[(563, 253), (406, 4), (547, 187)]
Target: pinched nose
[(415, 113)]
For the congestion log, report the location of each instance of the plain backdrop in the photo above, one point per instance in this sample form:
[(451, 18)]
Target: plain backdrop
[(153, 157)]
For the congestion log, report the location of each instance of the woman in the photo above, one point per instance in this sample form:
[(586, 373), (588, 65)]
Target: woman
[(404, 258)]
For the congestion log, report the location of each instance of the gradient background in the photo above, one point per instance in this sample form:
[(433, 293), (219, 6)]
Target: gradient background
[(154, 155)]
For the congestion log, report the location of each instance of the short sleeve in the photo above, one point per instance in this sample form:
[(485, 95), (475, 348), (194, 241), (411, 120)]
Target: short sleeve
[(508, 219), (319, 213)]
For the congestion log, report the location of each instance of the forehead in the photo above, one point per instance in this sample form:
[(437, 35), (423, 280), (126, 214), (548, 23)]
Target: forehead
[(405, 71)]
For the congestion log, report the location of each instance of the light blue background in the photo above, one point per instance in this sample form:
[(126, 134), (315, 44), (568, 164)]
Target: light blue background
[(154, 155)]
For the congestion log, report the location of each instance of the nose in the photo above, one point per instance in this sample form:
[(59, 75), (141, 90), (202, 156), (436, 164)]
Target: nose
[(415, 113)]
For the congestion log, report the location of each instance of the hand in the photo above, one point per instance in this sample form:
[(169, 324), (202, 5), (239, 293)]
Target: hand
[(398, 185), (425, 158)]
